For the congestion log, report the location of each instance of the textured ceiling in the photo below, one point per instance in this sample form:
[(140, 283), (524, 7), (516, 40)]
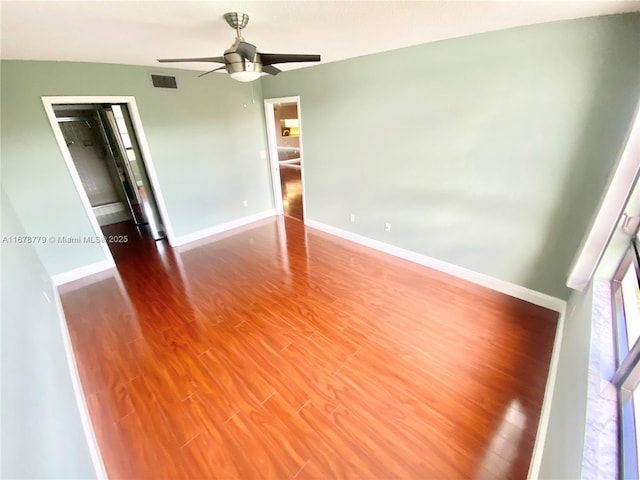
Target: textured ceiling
[(139, 32)]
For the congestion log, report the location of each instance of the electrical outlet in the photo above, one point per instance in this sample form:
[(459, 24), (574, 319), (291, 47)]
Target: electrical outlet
[(387, 227), (352, 217), (245, 203)]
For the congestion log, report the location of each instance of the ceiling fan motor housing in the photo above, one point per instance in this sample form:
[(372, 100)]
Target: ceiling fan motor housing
[(243, 65), (237, 63)]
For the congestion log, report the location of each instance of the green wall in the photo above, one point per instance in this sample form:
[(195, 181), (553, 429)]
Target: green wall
[(489, 152), (205, 146), (41, 431)]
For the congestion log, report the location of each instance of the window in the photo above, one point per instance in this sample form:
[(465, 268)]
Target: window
[(626, 309)]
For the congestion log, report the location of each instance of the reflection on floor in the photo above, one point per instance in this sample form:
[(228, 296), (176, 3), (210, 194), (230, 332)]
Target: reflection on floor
[(291, 183), (126, 240), (278, 351)]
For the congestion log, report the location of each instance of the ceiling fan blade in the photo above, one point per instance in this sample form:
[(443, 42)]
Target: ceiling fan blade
[(271, 58), (211, 71), (203, 59), (246, 51), (270, 69)]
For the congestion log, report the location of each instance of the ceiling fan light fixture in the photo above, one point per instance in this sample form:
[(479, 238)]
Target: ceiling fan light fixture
[(244, 71), (245, 76)]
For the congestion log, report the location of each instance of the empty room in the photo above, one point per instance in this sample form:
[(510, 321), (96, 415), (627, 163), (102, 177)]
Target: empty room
[(290, 240)]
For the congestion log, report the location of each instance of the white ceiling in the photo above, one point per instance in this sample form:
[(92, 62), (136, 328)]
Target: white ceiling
[(139, 32)]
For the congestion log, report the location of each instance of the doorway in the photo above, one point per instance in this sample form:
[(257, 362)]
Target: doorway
[(284, 130), (107, 157)]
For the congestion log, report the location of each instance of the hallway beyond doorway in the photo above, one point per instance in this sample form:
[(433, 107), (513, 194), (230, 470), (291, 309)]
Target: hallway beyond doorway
[(291, 185)]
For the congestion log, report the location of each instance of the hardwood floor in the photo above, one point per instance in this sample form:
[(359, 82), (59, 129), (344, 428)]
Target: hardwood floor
[(291, 185), (282, 352)]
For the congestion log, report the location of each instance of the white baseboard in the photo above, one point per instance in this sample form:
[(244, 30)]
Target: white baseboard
[(508, 288), (81, 402), (78, 273), (223, 227)]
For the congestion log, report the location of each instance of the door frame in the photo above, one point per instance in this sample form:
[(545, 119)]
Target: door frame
[(273, 152), (50, 101)]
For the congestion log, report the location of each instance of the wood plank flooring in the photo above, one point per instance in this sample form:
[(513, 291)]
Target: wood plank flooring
[(291, 186), (281, 352)]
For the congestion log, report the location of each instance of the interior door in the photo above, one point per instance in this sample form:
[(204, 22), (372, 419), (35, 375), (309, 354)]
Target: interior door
[(125, 180), (125, 142)]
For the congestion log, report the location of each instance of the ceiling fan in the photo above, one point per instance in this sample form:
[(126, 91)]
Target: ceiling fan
[(242, 60)]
